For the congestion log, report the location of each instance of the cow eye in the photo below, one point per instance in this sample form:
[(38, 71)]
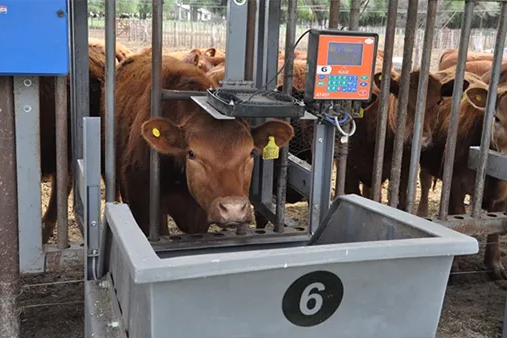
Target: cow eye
[(497, 120), (252, 153), (191, 154)]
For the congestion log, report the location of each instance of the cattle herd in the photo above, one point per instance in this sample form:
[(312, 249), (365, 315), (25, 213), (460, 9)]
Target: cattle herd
[(206, 164)]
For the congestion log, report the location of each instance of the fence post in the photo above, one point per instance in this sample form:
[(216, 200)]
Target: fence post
[(9, 249)]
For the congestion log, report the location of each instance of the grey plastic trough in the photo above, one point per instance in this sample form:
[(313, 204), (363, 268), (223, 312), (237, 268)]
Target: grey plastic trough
[(369, 271)]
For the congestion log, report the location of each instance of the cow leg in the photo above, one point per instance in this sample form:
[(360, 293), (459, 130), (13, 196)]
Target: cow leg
[(186, 213), (260, 220), (404, 177), (426, 179), (51, 214), (492, 254)]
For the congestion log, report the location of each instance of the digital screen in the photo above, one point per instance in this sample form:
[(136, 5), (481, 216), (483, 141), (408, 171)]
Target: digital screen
[(345, 54)]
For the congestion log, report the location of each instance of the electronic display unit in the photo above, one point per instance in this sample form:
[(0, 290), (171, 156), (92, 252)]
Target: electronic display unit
[(340, 65)]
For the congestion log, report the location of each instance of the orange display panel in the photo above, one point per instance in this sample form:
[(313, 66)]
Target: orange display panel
[(342, 67)]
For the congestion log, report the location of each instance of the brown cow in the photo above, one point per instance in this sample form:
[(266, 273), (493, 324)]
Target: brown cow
[(206, 164), (449, 58), (503, 75), (96, 66), (470, 123), (362, 143), (122, 51), (205, 59)]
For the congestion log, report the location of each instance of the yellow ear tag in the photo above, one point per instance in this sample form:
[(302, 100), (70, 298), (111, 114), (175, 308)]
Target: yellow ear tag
[(360, 113), (380, 77), (156, 132), (270, 151), (478, 98)]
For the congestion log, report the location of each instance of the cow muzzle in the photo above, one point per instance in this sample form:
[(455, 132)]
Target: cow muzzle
[(231, 212)]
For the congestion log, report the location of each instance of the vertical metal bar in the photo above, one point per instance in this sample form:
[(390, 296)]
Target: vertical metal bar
[(79, 91), (92, 158), (355, 11), (408, 48), (290, 41), (62, 170), (452, 134), (272, 42), (237, 14), (490, 111), (26, 110), (341, 172), (260, 45), (387, 64), (156, 97), (334, 14), (421, 102), (250, 40), (322, 171), (9, 269), (109, 100)]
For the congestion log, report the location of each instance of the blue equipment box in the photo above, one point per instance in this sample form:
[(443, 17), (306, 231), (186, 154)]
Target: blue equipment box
[(34, 37)]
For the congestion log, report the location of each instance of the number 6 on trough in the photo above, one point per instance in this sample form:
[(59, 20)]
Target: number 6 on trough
[(312, 298)]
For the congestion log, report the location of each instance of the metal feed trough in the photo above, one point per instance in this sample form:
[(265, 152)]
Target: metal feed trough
[(369, 269)]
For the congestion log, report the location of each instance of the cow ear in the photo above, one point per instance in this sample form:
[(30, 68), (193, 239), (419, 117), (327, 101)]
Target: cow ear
[(192, 58), (162, 135), (280, 130), (448, 86), (210, 52), (477, 97), (394, 87)]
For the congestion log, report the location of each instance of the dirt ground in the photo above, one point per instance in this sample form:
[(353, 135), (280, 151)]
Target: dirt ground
[(473, 306)]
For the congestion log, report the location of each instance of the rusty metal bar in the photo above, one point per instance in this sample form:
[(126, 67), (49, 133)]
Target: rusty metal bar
[(421, 102), (341, 170), (334, 14), (110, 83), (9, 247), (62, 168), (490, 111), (452, 133), (156, 99), (387, 64), (406, 69), (290, 42)]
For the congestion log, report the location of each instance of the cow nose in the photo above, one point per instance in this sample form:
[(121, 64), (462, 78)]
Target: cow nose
[(234, 211)]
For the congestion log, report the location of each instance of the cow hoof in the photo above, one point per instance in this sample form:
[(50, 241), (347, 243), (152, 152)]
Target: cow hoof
[(496, 270)]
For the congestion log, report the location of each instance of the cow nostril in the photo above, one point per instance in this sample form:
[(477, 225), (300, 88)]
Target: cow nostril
[(222, 207), (243, 206)]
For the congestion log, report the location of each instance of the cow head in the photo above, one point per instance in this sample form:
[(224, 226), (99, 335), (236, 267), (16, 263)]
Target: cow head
[(200, 60), (219, 158), (438, 88), (476, 96)]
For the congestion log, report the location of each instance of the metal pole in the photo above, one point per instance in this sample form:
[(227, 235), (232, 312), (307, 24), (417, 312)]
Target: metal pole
[(341, 172), (334, 14), (452, 134), (406, 69), (290, 41), (62, 170), (490, 111), (387, 64), (156, 97), (109, 100), (9, 248), (421, 102)]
